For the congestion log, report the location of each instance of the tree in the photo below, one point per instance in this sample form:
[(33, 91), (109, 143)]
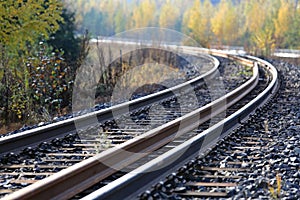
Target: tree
[(284, 22), (197, 22), (192, 21), (255, 15), (22, 24), (225, 22), (120, 20), (259, 28), (65, 40), (143, 15), (51, 81), (291, 40), (109, 10), (94, 21), (169, 16), (264, 40)]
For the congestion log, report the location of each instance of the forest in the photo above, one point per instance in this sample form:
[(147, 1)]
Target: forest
[(258, 25), (44, 42)]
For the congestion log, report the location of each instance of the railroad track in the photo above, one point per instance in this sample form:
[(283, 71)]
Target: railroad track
[(257, 161), (30, 138), (96, 167), (151, 175), (60, 153)]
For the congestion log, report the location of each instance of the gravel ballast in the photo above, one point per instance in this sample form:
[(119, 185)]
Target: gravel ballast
[(273, 164)]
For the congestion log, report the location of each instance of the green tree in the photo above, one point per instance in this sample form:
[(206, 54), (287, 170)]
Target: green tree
[(94, 21), (254, 21), (120, 20), (64, 39), (22, 24), (264, 40)]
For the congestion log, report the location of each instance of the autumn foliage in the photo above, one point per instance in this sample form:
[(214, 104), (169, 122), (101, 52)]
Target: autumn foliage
[(258, 25), (37, 70), (35, 77)]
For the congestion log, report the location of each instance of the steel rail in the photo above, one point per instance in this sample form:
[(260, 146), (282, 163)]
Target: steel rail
[(150, 173), (86, 173), (33, 137)]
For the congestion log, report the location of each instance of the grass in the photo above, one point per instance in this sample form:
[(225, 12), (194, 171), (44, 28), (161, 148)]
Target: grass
[(276, 191), (246, 71), (11, 127)]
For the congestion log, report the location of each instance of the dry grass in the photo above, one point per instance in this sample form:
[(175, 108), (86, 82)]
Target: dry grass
[(275, 191), (10, 127)]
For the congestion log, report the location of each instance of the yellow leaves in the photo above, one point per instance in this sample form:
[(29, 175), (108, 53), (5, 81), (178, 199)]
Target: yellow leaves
[(197, 21), (256, 16), (143, 15), (276, 192), (267, 23), (195, 16), (225, 24), (278, 179), (284, 19), (264, 41), (168, 16)]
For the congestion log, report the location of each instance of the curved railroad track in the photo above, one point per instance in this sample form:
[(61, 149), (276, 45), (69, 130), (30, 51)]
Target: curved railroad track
[(176, 185), (172, 137)]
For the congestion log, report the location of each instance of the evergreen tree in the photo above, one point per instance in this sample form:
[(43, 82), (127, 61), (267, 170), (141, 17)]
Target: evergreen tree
[(65, 40)]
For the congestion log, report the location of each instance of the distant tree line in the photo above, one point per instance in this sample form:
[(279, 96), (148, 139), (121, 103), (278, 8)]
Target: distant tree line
[(258, 25), (40, 52)]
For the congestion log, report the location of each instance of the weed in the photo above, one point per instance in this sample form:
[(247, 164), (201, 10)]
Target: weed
[(276, 191), (266, 125), (103, 142)]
